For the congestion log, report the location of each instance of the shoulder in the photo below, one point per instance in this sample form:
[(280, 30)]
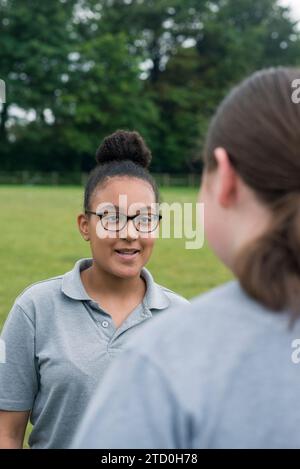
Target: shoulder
[(174, 298), (228, 304), (223, 307), (38, 295), (224, 315), (40, 288)]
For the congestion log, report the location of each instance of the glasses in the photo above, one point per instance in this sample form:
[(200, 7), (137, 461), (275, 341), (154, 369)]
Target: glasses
[(145, 223)]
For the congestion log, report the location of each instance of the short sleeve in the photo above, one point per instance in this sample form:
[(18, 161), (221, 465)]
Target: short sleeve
[(18, 375)]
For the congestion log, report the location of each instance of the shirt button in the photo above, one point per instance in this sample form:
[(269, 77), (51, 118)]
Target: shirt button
[(104, 324)]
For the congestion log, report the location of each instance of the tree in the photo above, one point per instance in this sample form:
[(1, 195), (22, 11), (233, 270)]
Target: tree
[(35, 42), (84, 68)]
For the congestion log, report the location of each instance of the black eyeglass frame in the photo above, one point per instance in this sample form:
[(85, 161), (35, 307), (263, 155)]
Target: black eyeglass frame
[(129, 217)]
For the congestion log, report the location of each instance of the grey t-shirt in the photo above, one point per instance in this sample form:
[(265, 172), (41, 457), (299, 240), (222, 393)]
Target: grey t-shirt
[(223, 376), (59, 344)]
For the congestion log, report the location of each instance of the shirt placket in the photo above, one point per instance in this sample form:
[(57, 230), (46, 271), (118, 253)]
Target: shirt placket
[(138, 315), (102, 320), (105, 324)]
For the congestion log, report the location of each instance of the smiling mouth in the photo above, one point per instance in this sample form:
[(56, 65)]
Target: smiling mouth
[(127, 252)]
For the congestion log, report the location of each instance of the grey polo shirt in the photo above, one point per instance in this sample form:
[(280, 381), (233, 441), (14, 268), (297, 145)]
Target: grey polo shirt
[(226, 377), (59, 343)]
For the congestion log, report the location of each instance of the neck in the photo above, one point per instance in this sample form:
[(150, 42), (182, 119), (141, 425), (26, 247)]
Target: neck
[(98, 282), (251, 222)]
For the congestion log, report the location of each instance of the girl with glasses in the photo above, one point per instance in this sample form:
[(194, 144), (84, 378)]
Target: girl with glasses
[(62, 334)]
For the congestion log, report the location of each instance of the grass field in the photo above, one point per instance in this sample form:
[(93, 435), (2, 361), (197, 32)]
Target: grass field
[(40, 239)]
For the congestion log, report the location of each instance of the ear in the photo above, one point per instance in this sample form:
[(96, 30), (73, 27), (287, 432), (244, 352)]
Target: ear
[(227, 179), (83, 226)]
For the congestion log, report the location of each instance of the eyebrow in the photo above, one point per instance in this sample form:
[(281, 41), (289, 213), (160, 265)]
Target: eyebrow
[(118, 208)]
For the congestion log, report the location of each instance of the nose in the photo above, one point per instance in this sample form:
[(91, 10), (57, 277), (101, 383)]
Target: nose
[(129, 232)]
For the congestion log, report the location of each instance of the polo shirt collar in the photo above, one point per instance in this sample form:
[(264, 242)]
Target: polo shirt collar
[(72, 286), (155, 297)]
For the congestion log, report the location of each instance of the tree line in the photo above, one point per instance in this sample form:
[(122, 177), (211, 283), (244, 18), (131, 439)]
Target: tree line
[(77, 70)]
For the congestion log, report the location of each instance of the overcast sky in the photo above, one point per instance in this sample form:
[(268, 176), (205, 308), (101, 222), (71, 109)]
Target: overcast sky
[(295, 7)]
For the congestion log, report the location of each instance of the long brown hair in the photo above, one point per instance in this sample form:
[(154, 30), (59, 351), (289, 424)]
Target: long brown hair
[(258, 124)]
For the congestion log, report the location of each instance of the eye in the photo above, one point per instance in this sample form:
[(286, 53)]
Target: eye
[(111, 218), (145, 219)]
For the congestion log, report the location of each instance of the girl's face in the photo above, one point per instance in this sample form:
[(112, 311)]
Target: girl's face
[(121, 253)]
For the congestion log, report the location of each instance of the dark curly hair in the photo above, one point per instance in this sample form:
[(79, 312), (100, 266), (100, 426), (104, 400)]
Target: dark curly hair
[(123, 153)]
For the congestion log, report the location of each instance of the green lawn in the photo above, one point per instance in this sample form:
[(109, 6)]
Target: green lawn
[(40, 239)]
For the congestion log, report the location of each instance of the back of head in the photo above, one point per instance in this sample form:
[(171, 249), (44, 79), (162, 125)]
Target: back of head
[(258, 124)]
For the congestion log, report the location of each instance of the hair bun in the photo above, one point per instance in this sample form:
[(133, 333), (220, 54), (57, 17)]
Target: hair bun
[(124, 145)]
